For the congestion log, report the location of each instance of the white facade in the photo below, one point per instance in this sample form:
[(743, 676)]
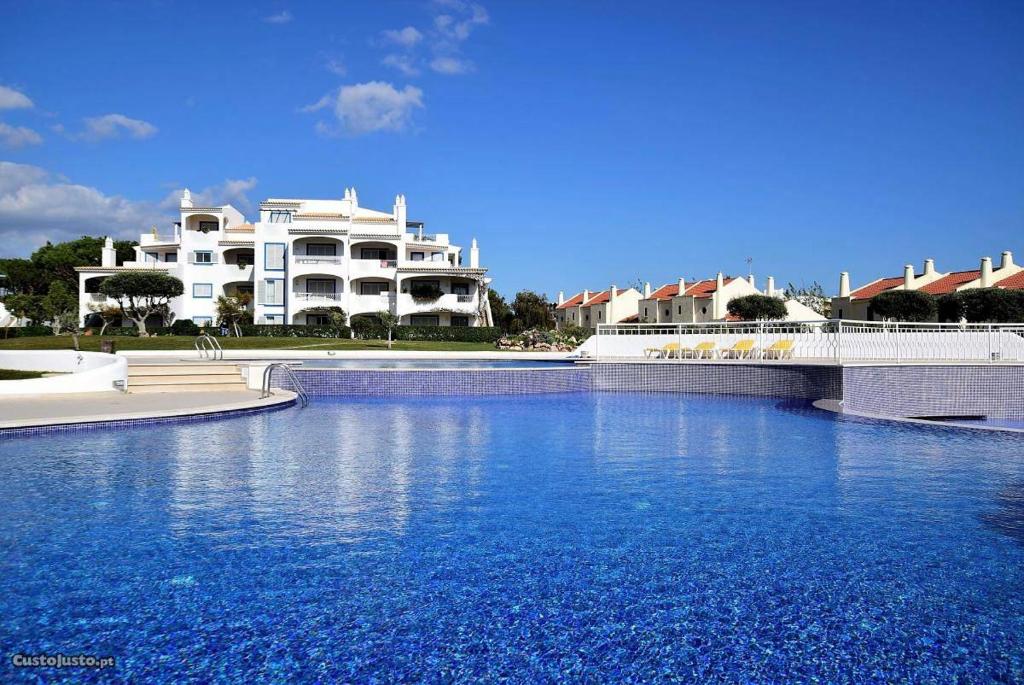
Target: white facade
[(304, 256)]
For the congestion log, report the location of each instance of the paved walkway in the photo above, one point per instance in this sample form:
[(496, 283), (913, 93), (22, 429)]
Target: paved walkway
[(46, 410)]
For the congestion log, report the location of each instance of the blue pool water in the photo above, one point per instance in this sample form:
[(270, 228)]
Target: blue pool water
[(433, 364), (592, 537)]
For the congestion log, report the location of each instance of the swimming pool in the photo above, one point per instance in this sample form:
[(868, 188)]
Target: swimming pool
[(434, 363), (596, 536)]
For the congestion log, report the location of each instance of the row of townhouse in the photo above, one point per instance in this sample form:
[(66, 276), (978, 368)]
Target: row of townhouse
[(856, 304), (680, 302), (304, 257)]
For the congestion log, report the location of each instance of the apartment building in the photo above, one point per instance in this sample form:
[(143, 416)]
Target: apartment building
[(856, 304), (588, 309), (303, 257), (703, 300)]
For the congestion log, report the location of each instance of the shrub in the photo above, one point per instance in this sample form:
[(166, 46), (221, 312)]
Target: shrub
[(185, 327), (369, 329), (983, 305), (424, 291), (757, 308), (904, 305), (295, 331), (29, 331)]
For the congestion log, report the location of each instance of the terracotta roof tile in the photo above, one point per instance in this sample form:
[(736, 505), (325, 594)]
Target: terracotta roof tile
[(665, 292), (571, 302), (1014, 282), (879, 286), (950, 282), (602, 296)]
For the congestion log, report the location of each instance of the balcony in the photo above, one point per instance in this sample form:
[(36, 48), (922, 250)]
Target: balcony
[(364, 304), (96, 298), (379, 268), (459, 304), (325, 298), (317, 259)]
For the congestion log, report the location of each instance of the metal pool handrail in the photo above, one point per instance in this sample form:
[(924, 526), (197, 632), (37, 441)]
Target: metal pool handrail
[(208, 347), (292, 376)]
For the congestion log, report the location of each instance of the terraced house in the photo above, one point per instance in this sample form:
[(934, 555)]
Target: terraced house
[(304, 257), (856, 304)]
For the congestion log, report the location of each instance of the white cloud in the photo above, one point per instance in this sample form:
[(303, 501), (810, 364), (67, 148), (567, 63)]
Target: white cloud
[(36, 206), (407, 37), (450, 65), (462, 19), (233, 191), (113, 125), (13, 99), (336, 67), (282, 17), (18, 136), (402, 63), (368, 107)]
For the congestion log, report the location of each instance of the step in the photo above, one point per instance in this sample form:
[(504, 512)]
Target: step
[(185, 379), (204, 387), (179, 369)]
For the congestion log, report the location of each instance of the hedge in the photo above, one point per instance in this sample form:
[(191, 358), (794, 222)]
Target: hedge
[(295, 331), (25, 331), (435, 333)]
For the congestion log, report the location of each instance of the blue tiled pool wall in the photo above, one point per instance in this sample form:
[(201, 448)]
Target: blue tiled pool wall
[(321, 382), (995, 391), (804, 382)]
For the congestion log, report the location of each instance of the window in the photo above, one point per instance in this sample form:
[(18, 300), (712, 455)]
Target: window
[(321, 249), (151, 256), (271, 291), (374, 288), (318, 319), (273, 319), (280, 216), (244, 289), (273, 256), (321, 286), (680, 309), (202, 257), (666, 312), (202, 290), (202, 320), (600, 315), (460, 288), (171, 257), (416, 256), (207, 226), (376, 253), (424, 320), (703, 310), (437, 256), (460, 321), (645, 312)]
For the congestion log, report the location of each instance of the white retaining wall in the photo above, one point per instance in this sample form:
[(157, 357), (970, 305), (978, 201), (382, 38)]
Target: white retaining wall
[(80, 371)]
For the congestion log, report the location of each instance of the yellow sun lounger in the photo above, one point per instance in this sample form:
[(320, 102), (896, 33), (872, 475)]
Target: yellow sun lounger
[(743, 349), (704, 350), (781, 349), (665, 352)]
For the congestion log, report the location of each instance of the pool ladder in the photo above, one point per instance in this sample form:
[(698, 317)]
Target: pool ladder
[(208, 347), (292, 376)]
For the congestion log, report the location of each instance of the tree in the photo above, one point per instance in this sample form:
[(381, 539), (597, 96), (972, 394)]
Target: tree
[(60, 307), (388, 321), (22, 306), (233, 310), (904, 305), (530, 310), (812, 296), (58, 260), (106, 312), (141, 293), (23, 277), (757, 308), (337, 317), (501, 313), (983, 305)]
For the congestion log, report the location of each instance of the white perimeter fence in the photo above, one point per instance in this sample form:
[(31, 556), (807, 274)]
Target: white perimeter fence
[(835, 340)]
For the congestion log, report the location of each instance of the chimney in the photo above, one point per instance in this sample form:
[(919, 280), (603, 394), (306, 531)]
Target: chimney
[(770, 287), (109, 254), (753, 283), (355, 200), (908, 276), (682, 285), (186, 199), (561, 297), (1007, 260), (986, 272), (399, 212), (929, 267), (719, 281), (611, 293), (844, 284), (647, 290), (586, 296), (474, 255)]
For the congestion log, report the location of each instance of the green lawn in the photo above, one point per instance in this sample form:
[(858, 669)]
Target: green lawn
[(12, 375), (176, 342)]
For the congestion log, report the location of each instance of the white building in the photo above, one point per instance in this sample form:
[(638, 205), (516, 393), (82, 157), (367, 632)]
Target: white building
[(303, 257)]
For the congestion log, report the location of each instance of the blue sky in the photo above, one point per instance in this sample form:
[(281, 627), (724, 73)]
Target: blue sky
[(582, 143)]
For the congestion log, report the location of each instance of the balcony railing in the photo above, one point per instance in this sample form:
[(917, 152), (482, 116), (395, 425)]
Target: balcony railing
[(463, 298), (317, 259), (319, 296), (97, 297)]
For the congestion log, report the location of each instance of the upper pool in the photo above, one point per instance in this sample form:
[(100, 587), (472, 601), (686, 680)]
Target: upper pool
[(588, 537), (433, 363)]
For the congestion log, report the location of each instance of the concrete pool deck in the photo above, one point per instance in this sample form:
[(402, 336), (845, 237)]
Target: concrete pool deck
[(31, 411)]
